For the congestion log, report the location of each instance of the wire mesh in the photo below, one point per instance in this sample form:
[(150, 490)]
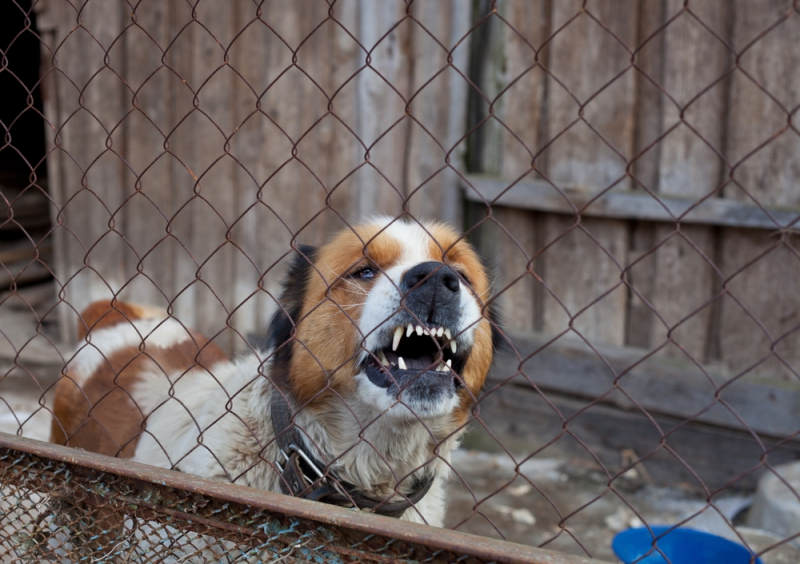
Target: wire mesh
[(627, 170)]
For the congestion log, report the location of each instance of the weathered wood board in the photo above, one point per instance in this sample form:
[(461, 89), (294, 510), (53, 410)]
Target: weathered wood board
[(760, 303), (525, 422), (191, 148)]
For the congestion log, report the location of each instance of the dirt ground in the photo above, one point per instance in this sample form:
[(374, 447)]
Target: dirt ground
[(557, 503), (565, 505)]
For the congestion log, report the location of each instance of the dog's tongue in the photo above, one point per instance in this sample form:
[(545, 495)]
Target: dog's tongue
[(422, 363), (425, 362)]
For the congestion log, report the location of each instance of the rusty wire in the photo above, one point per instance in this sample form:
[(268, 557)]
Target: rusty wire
[(34, 499)]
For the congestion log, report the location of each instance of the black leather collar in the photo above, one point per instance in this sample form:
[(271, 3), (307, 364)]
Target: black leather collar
[(304, 476)]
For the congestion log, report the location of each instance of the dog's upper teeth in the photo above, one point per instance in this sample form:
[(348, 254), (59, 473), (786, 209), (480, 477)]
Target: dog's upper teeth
[(398, 334), (409, 330), (447, 334), (419, 330), (401, 363), (453, 346), (439, 331)]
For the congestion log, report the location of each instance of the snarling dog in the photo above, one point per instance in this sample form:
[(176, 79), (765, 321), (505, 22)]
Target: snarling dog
[(381, 343)]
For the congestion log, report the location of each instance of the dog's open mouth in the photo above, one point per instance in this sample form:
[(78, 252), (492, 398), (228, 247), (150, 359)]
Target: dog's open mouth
[(415, 351)]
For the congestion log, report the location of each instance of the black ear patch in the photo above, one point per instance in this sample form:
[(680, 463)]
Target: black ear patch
[(281, 332)]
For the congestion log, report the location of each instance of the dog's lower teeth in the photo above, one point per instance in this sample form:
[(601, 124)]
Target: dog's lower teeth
[(440, 368), (401, 363), (449, 363), (383, 360)]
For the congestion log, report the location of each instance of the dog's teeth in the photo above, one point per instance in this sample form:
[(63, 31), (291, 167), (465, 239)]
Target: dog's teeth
[(447, 333), (426, 330), (449, 363), (401, 363), (440, 368), (398, 334), (419, 330), (409, 330), (382, 358), (439, 331), (453, 346)]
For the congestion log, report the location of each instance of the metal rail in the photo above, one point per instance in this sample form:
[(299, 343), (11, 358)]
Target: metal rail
[(109, 490)]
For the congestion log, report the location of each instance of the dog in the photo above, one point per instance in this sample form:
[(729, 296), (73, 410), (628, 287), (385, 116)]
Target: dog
[(381, 343)]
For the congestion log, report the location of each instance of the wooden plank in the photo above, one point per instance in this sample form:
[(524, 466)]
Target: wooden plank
[(81, 171), (509, 241), (640, 274), (258, 57), (590, 101), (22, 273), (525, 421), (650, 100), (583, 266), (145, 132), (760, 307), (762, 94), (696, 63), (690, 166), (212, 209), (683, 286), (50, 17), (541, 196), (382, 91), (659, 386), (94, 143), (431, 186), (180, 84), (587, 60), (344, 60), (514, 83)]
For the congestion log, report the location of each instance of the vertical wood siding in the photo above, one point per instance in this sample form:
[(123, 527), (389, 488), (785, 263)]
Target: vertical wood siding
[(658, 97), (192, 147)]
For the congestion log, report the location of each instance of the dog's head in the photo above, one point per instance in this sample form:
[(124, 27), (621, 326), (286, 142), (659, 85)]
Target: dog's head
[(390, 315)]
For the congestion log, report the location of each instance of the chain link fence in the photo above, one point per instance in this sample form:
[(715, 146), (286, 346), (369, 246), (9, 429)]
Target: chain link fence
[(627, 170)]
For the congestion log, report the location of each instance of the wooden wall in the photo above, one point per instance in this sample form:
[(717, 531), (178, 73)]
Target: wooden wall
[(644, 97), (190, 147)]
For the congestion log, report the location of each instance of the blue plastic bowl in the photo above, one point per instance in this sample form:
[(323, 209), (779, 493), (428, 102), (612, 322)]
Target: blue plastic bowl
[(681, 546)]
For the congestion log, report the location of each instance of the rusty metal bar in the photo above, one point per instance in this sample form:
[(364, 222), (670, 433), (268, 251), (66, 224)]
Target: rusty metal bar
[(147, 483)]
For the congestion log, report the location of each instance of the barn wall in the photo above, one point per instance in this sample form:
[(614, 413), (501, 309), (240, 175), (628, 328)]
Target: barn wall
[(587, 100), (190, 149)]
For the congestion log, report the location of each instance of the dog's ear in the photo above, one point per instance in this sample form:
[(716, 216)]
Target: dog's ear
[(282, 327)]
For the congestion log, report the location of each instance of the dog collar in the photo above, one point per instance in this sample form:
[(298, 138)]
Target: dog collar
[(302, 475)]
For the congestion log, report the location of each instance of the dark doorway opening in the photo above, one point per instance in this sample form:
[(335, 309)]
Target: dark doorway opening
[(25, 208)]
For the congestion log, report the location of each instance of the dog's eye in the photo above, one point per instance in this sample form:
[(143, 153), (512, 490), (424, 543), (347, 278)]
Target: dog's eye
[(366, 273)]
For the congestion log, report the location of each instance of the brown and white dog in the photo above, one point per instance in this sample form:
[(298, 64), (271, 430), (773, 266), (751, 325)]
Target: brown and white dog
[(380, 346)]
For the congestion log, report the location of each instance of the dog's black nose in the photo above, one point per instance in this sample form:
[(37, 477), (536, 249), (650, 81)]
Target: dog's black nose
[(432, 274), (432, 293)]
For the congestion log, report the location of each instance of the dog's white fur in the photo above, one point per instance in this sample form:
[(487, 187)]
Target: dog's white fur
[(238, 440)]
